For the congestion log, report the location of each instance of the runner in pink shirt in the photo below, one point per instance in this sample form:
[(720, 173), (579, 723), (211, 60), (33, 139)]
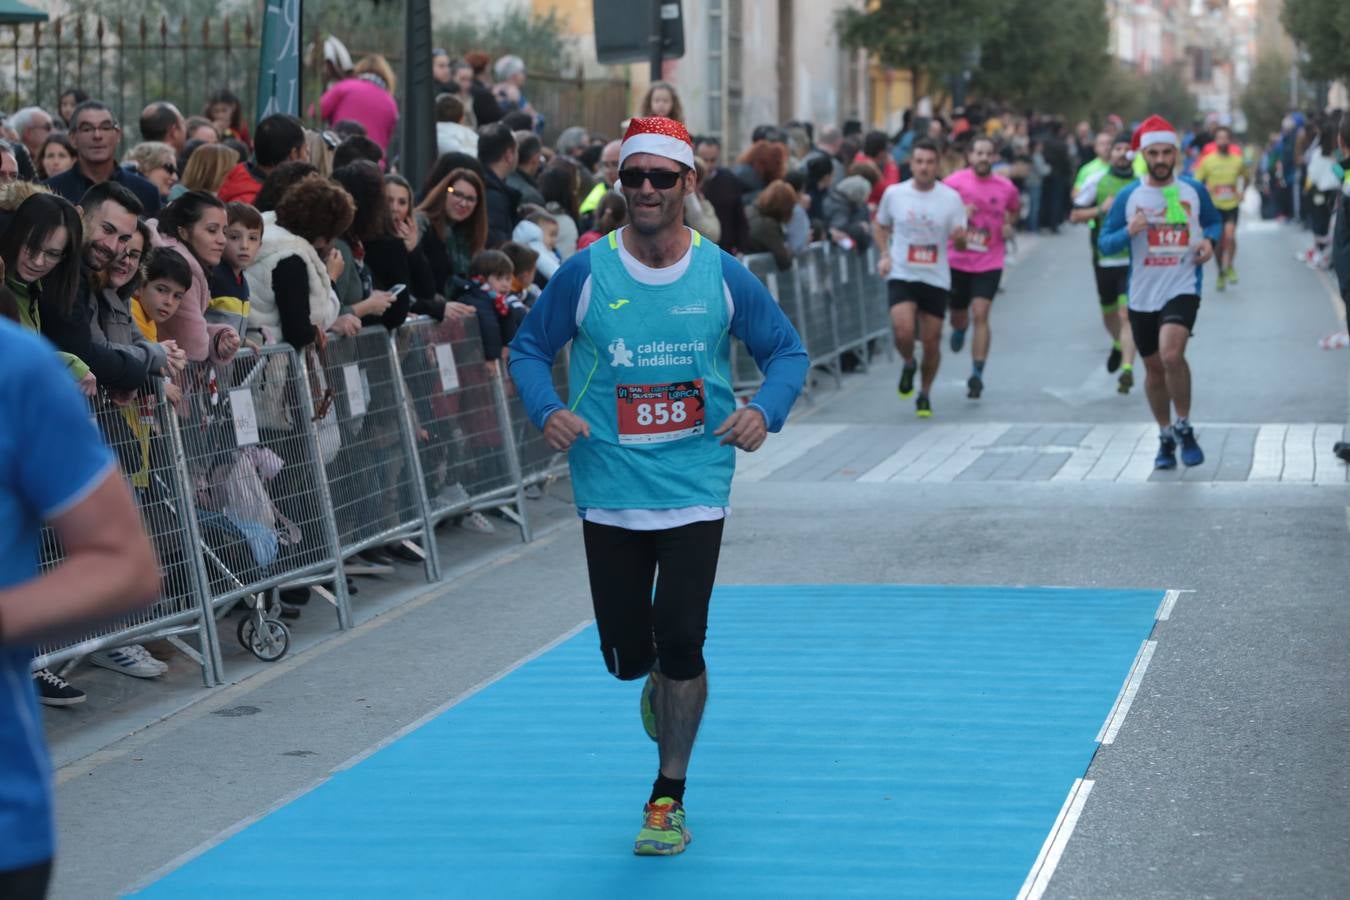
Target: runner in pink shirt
[(992, 206)]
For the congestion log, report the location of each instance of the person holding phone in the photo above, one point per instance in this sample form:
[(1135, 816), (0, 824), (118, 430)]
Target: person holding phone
[(375, 256)]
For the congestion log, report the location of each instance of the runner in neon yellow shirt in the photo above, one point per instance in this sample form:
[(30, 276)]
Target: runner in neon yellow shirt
[(1224, 173)]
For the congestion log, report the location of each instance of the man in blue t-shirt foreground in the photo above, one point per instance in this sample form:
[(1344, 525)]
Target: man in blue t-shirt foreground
[(652, 432), (54, 469)]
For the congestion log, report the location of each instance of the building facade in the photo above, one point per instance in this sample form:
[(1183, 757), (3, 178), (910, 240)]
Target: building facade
[(748, 62)]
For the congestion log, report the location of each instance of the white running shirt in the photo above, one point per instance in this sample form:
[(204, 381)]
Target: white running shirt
[(920, 223)]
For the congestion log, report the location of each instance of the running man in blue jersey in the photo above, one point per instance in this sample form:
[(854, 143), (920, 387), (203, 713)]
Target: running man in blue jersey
[(651, 432), (54, 468), (1170, 226)]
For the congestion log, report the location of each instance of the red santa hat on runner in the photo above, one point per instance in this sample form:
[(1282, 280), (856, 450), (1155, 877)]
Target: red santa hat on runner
[(1154, 130), (658, 136)]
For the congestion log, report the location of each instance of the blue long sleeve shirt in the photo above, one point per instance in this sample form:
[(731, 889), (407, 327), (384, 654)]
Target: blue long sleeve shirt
[(1162, 256), (755, 318)]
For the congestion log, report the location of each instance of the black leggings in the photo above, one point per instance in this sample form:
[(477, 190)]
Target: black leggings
[(26, 884), (636, 629)]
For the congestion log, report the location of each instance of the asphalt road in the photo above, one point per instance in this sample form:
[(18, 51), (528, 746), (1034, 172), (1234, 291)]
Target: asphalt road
[(1229, 776)]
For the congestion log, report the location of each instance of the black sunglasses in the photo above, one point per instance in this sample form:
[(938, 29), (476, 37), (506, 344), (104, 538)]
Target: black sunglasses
[(661, 179)]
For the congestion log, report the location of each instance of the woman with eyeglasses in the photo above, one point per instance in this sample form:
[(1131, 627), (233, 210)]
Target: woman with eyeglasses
[(157, 163), (455, 216), (40, 234)]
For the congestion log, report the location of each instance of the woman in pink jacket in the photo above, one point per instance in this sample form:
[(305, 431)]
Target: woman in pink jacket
[(366, 97), (194, 227)]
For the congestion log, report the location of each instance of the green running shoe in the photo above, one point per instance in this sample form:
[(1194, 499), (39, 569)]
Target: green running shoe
[(663, 832), (645, 706), (922, 408), (1232, 276), (907, 371), (1223, 279)]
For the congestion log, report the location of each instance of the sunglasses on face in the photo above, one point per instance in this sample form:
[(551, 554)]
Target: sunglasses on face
[(171, 168), (661, 179)]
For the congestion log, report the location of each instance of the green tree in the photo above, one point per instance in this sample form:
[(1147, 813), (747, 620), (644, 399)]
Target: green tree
[(1122, 91), (1051, 56), (1165, 94), (939, 38), (1266, 97), (1321, 28)]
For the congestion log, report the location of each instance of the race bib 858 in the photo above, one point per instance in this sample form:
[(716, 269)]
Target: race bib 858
[(657, 413)]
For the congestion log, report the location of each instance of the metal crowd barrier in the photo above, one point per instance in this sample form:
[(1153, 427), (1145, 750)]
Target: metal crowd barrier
[(144, 437), (833, 297), (272, 470)]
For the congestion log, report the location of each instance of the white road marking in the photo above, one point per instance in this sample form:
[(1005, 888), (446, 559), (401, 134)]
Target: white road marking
[(1097, 387), (1140, 465), (1268, 454), (965, 457), (908, 452), (1088, 452), (1118, 453), (1299, 463), (780, 449), (1111, 727), (952, 438), (1043, 869), (1169, 603)]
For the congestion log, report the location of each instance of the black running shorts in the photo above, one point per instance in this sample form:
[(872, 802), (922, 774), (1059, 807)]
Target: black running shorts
[(1146, 326), (1229, 215), (1112, 282), (931, 300), (966, 286), (636, 626)]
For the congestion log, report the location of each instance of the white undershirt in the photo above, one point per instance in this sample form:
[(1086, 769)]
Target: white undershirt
[(652, 519)]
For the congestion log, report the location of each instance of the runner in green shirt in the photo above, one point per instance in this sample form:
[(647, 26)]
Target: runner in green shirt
[(1092, 201)]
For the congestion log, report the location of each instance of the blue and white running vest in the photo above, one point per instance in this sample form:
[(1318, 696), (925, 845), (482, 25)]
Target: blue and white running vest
[(650, 370)]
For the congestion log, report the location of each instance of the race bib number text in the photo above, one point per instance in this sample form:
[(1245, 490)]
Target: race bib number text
[(977, 240), (1167, 244), (923, 255), (657, 413)]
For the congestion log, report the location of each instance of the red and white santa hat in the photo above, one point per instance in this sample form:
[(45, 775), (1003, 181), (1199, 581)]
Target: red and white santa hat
[(658, 136), (1154, 130)]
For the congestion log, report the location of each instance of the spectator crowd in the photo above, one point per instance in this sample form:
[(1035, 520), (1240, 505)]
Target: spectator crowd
[(139, 259)]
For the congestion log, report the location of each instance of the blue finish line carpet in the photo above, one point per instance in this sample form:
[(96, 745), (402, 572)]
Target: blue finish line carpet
[(859, 741)]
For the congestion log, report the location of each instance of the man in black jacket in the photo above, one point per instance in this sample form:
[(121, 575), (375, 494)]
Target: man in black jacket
[(497, 153), (108, 212), (95, 133)]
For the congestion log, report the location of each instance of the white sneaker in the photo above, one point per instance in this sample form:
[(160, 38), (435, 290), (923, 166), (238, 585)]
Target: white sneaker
[(133, 660), (452, 495), (476, 521)]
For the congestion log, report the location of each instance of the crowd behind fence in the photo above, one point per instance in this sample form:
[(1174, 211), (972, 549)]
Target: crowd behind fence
[(129, 62), (276, 467)]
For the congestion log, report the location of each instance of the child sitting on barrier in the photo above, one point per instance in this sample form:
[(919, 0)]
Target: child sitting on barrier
[(490, 274), (229, 288), (523, 289)]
